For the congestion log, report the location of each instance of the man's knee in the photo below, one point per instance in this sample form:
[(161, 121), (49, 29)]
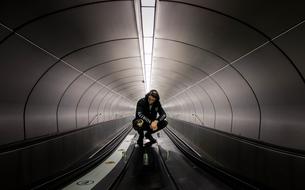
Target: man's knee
[(137, 124), (162, 124)]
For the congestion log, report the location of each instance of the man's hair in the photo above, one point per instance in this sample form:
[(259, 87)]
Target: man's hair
[(154, 93)]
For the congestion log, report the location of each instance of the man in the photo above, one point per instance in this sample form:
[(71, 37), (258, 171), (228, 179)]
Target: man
[(146, 117)]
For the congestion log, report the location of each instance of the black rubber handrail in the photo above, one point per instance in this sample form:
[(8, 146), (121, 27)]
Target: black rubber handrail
[(117, 172), (22, 144), (62, 179), (116, 182), (122, 173), (238, 182), (254, 142), (166, 169)]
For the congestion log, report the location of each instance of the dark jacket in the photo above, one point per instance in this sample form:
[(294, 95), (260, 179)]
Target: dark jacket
[(147, 115)]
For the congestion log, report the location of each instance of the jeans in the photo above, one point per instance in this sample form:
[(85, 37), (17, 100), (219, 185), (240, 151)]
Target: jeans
[(146, 127)]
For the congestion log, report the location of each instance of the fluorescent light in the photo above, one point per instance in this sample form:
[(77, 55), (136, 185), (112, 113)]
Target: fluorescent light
[(148, 76), (148, 2), (148, 45), (147, 83), (148, 21), (148, 15), (147, 69), (147, 59), (147, 87)]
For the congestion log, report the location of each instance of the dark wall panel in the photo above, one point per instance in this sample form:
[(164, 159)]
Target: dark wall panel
[(196, 110), (208, 30), (208, 111), (82, 34), (65, 31), (68, 103), (105, 70), (177, 70), (198, 115), (267, 16), (111, 112), (103, 52), (84, 103), (21, 66), (205, 112), (3, 32), (222, 106), (26, 11), (42, 105), (281, 92), (189, 54), (22, 168), (266, 100), (183, 102), (266, 166), (102, 104), (94, 104), (105, 107), (246, 116), (293, 44)]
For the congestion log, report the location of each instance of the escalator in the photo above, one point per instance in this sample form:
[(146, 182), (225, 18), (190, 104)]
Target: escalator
[(165, 165), (146, 170)]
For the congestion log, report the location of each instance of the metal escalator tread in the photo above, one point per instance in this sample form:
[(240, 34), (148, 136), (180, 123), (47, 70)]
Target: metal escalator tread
[(186, 174), (151, 176)]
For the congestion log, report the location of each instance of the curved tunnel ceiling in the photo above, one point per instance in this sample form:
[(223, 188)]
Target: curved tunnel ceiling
[(234, 66), (251, 83)]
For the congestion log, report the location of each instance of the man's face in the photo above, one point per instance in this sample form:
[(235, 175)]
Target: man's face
[(151, 100)]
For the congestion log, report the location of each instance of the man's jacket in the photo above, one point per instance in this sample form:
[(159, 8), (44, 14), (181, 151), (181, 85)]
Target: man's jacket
[(149, 115)]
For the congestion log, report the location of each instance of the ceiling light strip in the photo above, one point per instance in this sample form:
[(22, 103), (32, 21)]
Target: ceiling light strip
[(148, 8), (63, 61), (138, 15)]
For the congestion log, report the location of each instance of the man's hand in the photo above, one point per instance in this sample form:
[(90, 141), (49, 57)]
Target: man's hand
[(154, 125)]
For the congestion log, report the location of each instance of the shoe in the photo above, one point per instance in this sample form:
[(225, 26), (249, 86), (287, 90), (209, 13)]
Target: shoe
[(150, 138), (148, 144)]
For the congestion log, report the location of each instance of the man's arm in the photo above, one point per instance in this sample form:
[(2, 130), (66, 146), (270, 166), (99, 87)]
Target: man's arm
[(140, 110), (162, 114)]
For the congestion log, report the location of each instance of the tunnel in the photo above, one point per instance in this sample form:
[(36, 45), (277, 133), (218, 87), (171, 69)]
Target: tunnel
[(230, 75)]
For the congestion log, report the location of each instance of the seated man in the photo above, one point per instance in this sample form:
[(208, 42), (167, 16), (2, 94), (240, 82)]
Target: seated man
[(146, 117)]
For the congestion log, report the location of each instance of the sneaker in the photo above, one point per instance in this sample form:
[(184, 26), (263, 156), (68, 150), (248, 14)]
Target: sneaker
[(150, 138), (148, 144)]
